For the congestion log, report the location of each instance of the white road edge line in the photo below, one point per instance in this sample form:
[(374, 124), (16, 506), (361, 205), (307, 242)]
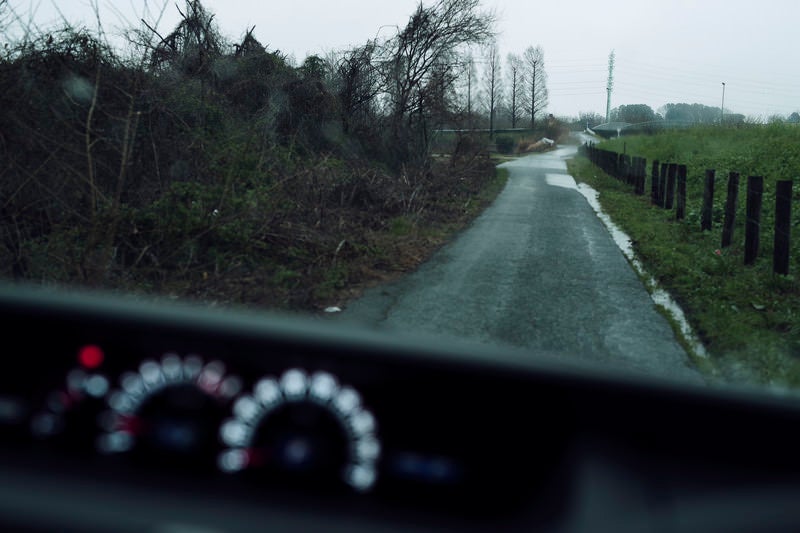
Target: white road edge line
[(659, 296)]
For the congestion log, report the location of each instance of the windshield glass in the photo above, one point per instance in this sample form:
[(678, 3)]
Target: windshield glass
[(610, 183)]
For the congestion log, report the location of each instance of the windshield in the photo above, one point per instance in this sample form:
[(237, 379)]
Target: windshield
[(604, 183)]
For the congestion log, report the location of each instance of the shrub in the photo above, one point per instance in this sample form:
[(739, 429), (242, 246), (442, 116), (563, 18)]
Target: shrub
[(505, 144)]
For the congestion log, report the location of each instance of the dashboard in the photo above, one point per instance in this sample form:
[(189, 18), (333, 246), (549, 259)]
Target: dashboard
[(122, 414)]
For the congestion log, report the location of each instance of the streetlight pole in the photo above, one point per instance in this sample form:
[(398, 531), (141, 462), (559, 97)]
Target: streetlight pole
[(722, 109)]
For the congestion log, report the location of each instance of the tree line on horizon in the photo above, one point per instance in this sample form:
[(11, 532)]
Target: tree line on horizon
[(684, 113)]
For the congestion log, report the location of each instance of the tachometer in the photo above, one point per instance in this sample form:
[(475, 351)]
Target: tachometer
[(302, 426), (169, 408)]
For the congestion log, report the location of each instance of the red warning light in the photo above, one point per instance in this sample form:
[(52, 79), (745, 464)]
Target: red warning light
[(91, 356)]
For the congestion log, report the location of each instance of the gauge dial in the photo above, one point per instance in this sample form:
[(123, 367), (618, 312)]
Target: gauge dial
[(70, 410), (170, 408), (301, 426)]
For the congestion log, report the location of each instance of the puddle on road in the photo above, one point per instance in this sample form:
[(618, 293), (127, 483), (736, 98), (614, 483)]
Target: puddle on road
[(561, 180), (658, 295)]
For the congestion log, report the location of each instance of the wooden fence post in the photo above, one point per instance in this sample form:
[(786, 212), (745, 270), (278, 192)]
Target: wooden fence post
[(680, 210), (662, 185), (730, 209), (783, 224), (669, 201), (755, 189), (707, 213), (631, 164), (644, 176), (641, 175), (626, 167), (654, 185)]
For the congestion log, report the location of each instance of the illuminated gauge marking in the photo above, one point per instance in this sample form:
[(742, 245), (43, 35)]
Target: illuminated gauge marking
[(268, 393), (173, 405), (294, 384), (296, 442)]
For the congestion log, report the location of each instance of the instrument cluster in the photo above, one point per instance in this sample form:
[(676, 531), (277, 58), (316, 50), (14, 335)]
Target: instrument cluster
[(273, 409)]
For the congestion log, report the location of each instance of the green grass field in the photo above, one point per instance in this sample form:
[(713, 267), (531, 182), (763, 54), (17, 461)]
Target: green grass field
[(747, 317)]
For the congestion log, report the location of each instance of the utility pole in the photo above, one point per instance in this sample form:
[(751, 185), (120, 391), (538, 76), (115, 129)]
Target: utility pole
[(610, 85), (722, 109)]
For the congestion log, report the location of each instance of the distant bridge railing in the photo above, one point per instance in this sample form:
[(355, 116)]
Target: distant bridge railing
[(612, 129)]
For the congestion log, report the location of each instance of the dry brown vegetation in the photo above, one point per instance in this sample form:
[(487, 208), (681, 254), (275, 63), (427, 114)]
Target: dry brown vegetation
[(219, 171)]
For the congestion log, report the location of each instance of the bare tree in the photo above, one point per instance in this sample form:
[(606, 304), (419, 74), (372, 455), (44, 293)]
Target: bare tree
[(439, 96), (357, 85), (590, 118), (192, 46), (3, 15), (427, 47), (516, 88), (492, 83), (469, 68), (536, 82)]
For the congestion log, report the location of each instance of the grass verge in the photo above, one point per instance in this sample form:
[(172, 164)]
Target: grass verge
[(406, 241), (747, 318)]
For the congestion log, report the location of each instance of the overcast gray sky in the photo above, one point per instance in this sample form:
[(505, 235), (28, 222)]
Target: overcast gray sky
[(666, 50)]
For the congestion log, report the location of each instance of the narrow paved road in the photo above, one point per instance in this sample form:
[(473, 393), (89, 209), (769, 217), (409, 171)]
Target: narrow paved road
[(537, 270)]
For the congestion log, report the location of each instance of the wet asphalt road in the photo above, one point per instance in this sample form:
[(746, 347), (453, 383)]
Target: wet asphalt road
[(537, 270)]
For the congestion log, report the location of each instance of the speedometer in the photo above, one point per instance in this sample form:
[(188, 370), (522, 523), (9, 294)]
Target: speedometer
[(302, 426)]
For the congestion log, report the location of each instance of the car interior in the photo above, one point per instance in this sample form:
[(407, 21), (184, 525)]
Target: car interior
[(119, 413)]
